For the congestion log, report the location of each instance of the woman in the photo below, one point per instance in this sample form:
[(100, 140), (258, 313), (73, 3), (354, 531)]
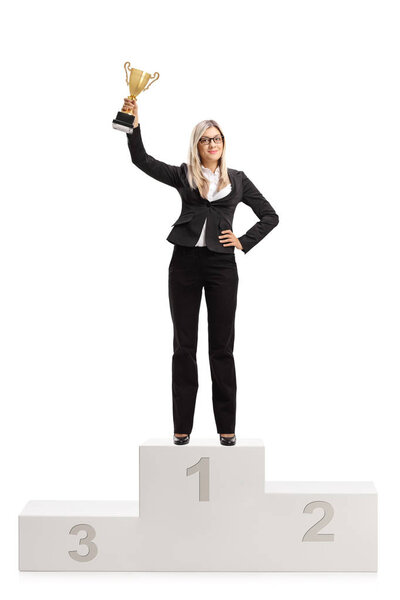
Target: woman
[(203, 256)]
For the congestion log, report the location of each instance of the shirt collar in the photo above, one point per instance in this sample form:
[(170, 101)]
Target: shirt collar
[(207, 170)]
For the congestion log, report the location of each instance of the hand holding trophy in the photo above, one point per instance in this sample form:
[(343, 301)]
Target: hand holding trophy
[(131, 107), (137, 82)]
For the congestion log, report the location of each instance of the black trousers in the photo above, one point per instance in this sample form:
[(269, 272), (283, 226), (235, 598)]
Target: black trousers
[(191, 269)]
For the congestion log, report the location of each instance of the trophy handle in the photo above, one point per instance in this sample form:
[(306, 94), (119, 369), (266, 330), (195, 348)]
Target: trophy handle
[(158, 75), (126, 70)]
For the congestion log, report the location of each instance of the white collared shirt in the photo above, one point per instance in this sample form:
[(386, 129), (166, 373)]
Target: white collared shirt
[(212, 195)]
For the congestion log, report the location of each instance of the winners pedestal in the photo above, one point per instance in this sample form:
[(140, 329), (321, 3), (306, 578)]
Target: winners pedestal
[(206, 507)]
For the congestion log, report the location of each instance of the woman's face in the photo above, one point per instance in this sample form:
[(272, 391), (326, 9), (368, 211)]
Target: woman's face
[(212, 151)]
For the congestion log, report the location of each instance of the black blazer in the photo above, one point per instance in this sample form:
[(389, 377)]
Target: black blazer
[(187, 228)]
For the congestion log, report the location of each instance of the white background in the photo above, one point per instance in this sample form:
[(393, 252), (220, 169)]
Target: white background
[(307, 94)]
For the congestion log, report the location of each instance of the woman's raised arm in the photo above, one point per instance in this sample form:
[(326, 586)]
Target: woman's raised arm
[(169, 174)]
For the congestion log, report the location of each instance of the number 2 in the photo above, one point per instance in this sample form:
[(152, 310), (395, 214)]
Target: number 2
[(312, 535)]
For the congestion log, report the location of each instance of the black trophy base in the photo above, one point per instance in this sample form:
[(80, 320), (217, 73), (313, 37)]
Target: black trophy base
[(124, 122)]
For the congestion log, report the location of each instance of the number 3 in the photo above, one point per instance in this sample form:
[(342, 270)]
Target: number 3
[(84, 541)]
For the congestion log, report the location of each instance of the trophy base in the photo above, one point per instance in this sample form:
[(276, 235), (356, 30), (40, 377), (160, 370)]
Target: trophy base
[(124, 122)]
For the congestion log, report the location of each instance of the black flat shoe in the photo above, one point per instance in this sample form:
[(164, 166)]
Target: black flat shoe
[(181, 440), (227, 441)]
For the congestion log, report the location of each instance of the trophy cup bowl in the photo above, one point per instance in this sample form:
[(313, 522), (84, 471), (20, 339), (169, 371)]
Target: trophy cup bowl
[(137, 81)]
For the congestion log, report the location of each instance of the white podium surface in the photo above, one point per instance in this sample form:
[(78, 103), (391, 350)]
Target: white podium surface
[(206, 507)]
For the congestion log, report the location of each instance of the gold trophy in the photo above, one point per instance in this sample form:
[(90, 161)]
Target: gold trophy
[(137, 82)]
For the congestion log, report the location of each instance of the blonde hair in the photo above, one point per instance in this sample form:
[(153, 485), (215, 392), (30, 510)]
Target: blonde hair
[(196, 177)]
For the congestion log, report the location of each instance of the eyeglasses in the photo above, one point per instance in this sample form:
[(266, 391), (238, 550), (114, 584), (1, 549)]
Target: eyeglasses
[(206, 140)]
